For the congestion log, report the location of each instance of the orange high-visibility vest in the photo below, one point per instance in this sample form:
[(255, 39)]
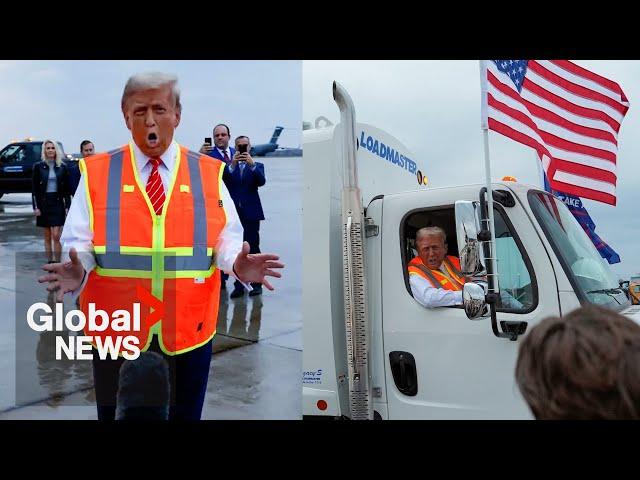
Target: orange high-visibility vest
[(435, 276), (165, 261)]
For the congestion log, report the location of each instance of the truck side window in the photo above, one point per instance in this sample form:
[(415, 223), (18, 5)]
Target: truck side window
[(13, 154), (443, 217), (34, 151), (517, 283), (518, 291)]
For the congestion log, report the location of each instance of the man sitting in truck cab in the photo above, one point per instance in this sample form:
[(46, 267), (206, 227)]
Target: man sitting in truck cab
[(434, 276)]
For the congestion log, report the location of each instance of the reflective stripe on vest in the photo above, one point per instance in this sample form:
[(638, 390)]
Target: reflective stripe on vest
[(113, 259), (437, 278), (199, 260), (434, 281), (453, 270)]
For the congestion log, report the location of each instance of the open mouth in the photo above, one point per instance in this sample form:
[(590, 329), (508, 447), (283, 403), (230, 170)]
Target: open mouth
[(152, 139)]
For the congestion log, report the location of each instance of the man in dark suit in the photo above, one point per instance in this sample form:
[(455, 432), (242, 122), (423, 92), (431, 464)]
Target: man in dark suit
[(86, 149), (221, 151), (242, 177)]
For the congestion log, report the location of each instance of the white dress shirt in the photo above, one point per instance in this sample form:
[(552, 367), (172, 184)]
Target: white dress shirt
[(223, 151), (429, 296), (242, 166), (77, 232)]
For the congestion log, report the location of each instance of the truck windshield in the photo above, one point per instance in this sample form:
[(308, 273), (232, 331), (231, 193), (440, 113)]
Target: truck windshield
[(591, 278)]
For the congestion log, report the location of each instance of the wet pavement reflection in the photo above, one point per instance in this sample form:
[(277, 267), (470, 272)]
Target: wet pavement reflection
[(257, 358), (233, 322)]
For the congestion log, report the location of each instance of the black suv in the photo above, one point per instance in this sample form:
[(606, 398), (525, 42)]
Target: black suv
[(16, 165)]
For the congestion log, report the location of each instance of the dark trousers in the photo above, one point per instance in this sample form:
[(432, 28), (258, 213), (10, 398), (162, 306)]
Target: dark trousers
[(188, 376), (252, 235)]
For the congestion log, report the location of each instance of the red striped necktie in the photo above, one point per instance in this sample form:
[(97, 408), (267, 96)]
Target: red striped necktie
[(155, 190)]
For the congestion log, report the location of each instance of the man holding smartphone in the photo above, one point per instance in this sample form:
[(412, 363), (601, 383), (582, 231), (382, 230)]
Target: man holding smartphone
[(221, 151), (221, 137), (243, 177)]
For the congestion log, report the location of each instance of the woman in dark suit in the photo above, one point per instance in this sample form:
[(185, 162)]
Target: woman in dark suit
[(50, 198)]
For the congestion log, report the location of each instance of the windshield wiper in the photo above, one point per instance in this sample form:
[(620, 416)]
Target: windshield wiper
[(608, 291)]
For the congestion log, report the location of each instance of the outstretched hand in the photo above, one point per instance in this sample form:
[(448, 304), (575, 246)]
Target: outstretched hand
[(63, 277), (255, 267)]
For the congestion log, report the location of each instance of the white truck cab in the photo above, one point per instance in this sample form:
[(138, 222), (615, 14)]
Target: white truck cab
[(370, 349)]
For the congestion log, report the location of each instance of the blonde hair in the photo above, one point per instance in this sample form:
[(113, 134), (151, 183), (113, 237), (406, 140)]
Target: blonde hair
[(59, 154)]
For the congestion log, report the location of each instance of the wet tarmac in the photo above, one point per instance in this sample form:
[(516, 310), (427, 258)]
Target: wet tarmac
[(256, 367)]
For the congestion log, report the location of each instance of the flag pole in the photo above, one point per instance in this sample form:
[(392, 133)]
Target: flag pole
[(540, 170), (484, 125)]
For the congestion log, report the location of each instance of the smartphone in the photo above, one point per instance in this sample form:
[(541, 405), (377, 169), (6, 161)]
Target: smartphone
[(242, 148), (208, 141)]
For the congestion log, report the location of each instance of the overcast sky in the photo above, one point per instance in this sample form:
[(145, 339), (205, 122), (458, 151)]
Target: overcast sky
[(433, 107), (73, 100)]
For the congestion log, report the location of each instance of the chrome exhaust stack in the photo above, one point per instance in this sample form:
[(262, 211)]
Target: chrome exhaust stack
[(355, 299)]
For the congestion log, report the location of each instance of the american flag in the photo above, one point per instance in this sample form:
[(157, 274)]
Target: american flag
[(569, 115)]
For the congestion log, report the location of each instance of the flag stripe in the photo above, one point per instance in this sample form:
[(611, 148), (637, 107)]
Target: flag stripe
[(574, 128), (586, 171), (571, 146), (594, 77), (583, 192), (531, 128), (574, 76), (531, 86), (614, 109), (553, 92), (522, 130), (530, 97), (608, 150), (549, 148), (516, 135), (585, 160), (578, 180)]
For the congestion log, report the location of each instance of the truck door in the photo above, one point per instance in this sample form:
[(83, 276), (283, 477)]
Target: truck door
[(438, 363)]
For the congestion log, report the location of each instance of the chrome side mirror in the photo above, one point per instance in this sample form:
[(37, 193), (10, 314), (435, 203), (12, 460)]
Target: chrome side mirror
[(473, 299), (467, 228), (470, 259)]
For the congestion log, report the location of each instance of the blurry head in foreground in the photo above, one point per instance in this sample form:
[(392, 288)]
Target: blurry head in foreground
[(585, 365)]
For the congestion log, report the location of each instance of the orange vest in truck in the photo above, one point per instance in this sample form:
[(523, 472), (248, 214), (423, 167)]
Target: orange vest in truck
[(454, 281)]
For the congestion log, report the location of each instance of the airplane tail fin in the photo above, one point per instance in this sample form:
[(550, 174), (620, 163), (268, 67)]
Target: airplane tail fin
[(276, 134)]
